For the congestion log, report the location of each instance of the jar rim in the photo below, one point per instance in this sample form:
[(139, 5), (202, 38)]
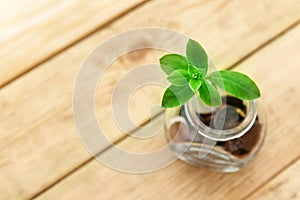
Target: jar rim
[(223, 134)]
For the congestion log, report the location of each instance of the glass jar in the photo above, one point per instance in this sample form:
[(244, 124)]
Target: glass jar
[(225, 139)]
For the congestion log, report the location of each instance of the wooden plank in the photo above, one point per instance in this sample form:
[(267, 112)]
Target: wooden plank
[(31, 31), (38, 142), (284, 186), (180, 181)]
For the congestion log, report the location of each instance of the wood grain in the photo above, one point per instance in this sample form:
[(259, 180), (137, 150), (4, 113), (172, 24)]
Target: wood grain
[(32, 31), (284, 186), (181, 181), (39, 144)]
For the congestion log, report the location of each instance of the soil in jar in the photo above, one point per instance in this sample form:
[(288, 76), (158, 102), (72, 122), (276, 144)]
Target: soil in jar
[(231, 114)]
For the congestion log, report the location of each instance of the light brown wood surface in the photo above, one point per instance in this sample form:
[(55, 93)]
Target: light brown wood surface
[(284, 186), (40, 150), (185, 182), (32, 31)]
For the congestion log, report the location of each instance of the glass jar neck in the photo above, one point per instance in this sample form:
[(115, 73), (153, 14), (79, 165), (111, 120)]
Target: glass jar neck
[(194, 107)]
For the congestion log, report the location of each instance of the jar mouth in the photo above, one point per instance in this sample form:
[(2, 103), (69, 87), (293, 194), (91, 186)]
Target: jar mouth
[(223, 134)]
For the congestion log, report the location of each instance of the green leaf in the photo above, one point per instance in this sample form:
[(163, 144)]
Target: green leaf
[(192, 69), (197, 56), (238, 84), (169, 99), (195, 84), (195, 73), (179, 77), (209, 94), (176, 95), (171, 62)]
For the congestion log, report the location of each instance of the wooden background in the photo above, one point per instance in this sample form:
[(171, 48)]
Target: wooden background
[(42, 47)]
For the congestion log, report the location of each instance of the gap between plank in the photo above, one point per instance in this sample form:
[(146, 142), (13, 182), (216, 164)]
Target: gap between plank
[(72, 43), (271, 178), (250, 54), (92, 158), (283, 32)]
